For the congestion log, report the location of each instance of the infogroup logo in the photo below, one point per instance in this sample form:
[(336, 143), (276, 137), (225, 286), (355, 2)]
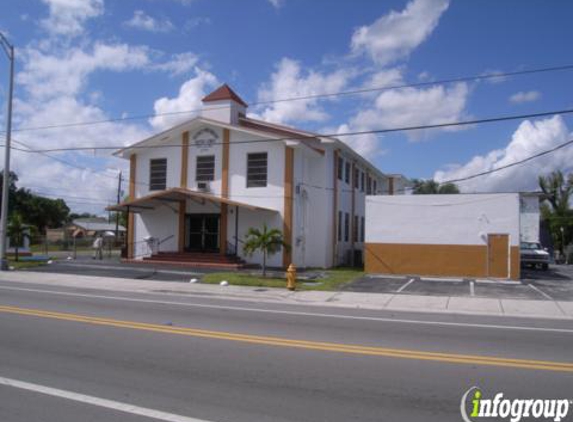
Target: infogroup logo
[(513, 410)]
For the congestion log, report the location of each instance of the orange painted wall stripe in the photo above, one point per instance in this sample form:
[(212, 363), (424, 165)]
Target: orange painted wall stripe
[(288, 204)]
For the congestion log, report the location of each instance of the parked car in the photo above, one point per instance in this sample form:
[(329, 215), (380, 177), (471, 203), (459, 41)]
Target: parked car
[(534, 255)]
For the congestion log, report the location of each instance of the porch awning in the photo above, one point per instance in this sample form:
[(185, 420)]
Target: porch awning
[(150, 202)]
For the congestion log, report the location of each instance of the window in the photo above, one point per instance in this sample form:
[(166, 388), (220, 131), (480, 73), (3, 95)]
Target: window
[(157, 174), (347, 172), (346, 226), (355, 229), (362, 230), (340, 226), (356, 177), (374, 187), (340, 168), (369, 186), (205, 170), (362, 181), (257, 170)]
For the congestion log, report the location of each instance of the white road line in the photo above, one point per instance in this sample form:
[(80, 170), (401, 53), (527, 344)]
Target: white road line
[(296, 313), (96, 401), (541, 292), (405, 285), (472, 288)]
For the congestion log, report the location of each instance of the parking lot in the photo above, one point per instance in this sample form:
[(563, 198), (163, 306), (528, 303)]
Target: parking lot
[(554, 284)]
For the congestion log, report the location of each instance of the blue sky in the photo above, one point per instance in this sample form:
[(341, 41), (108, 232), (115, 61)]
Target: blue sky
[(84, 60)]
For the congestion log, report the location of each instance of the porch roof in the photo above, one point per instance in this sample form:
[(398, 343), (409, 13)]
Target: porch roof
[(150, 201)]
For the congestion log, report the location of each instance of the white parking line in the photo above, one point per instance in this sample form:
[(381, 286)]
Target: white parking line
[(299, 313), (541, 292), (96, 401), (405, 285)]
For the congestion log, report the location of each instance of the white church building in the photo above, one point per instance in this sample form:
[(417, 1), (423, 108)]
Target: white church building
[(196, 188)]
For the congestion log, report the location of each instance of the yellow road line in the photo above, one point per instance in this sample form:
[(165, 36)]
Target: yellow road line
[(301, 344)]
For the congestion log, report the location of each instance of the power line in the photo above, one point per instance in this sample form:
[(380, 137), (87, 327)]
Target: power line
[(312, 97), (515, 163), (329, 135)]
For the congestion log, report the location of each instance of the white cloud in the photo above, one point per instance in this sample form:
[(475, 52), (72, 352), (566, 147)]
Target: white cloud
[(66, 72), (289, 81), (414, 107), (525, 97), (179, 64), (67, 17), (189, 98), (395, 35), (143, 21), (195, 22), (529, 139), (277, 4)]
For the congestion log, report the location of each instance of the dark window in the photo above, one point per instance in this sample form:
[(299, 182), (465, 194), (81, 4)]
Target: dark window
[(340, 168), (157, 174), (362, 181), (356, 178), (340, 226), (355, 229), (257, 170), (374, 187), (205, 171), (362, 230), (346, 226), (347, 172), (369, 186)]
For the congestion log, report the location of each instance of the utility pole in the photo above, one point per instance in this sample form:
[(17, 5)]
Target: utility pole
[(9, 50), (118, 201)]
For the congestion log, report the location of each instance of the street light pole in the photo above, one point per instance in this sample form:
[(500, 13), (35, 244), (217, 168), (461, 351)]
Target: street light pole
[(9, 50)]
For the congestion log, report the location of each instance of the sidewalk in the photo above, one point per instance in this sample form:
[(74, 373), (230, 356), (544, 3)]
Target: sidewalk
[(372, 301)]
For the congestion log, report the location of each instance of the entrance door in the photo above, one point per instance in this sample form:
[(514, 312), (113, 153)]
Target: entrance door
[(498, 255), (202, 232)]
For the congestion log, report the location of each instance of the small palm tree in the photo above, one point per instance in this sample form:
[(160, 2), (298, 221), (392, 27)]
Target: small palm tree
[(17, 231), (267, 241)]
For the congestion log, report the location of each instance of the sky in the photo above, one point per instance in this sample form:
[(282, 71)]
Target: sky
[(131, 61)]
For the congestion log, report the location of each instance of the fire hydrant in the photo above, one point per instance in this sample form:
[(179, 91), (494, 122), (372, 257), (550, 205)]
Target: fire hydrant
[(291, 277)]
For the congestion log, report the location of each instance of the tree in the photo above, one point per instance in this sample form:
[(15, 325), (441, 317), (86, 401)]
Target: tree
[(556, 211), (425, 187), (17, 231), (266, 241)]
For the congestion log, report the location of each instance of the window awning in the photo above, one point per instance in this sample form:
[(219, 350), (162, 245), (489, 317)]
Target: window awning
[(150, 202)]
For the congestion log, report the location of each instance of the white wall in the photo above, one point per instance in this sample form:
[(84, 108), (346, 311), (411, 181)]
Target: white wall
[(441, 219), (529, 215), (160, 223)]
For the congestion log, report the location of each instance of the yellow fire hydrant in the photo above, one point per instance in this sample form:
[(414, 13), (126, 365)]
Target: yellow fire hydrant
[(291, 277)]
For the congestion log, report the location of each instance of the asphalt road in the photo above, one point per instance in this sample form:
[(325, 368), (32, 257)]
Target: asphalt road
[(71, 355)]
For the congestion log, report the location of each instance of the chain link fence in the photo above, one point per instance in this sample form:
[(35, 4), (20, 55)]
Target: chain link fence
[(75, 247)]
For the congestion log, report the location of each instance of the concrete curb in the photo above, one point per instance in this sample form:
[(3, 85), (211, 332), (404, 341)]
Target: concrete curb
[(370, 301)]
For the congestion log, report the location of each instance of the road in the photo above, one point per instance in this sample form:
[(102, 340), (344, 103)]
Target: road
[(73, 354)]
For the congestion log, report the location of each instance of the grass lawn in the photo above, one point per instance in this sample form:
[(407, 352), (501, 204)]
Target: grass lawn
[(334, 279), (25, 264)]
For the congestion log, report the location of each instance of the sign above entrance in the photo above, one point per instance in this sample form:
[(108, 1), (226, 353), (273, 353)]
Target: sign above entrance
[(205, 138)]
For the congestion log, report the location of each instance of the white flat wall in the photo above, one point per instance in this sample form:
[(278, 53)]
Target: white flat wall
[(529, 224), (160, 223), (441, 219)]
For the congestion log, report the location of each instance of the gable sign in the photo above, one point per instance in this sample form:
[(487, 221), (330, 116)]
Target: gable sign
[(204, 139)]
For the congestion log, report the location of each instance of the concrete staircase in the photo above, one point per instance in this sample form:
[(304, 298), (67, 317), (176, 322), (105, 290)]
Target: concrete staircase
[(195, 259)]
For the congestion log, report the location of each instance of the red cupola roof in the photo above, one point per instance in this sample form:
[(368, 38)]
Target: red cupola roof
[(224, 92)]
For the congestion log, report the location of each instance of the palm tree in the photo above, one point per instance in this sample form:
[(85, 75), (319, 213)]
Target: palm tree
[(431, 187), (267, 241), (17, 231)]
